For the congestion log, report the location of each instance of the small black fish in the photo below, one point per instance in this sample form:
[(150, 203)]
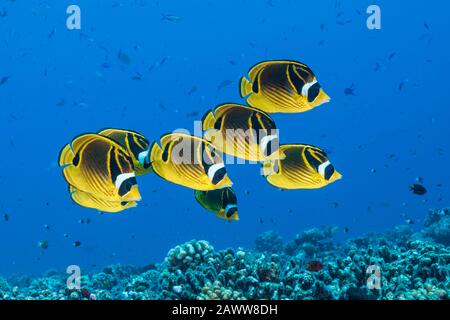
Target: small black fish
[(418, 189), (377, 67), (51, 34), (170, 17), (163, 61), (6, 217), (409, 221), (426, 26), (123, 57), (4, 80), (346, 230), (261, 221), (43, 244), (224, 84), (402, 85), (392, 55), (193, 90), (77, 244), (3, 13), (350, 91), (47, 227), (192, 114), (61, 103), (137, 76)]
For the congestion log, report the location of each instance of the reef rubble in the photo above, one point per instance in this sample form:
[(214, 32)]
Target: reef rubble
[(399, 264)]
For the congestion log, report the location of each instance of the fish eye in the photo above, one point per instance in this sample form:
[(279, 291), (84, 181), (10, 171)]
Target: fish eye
[(231, 211), (326, 170), (219, 175), (126, 186), (313, 92), (329, 172)]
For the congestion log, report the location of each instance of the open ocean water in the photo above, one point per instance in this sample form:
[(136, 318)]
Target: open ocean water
[(158, 66)]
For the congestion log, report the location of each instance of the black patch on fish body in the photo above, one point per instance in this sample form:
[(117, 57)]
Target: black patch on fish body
[(76, 159), (165, 154), (135, 149), (218, 123), (305, 73), (313, 161), (313, 92), (113, 165), (255, 85), (126, 186), (255, 125), (296, 80)]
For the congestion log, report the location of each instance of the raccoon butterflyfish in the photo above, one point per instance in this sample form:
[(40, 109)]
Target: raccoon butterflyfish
[(87, 200), (304, 167), (242, 131), (189, 161), (282, 86), (223, 202), (136, 144), (100, 166)]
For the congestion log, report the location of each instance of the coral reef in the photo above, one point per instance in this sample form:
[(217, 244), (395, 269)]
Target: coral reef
[(398, 264)]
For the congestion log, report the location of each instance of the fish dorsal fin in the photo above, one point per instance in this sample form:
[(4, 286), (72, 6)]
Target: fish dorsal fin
[(253, 72), (261, 65)]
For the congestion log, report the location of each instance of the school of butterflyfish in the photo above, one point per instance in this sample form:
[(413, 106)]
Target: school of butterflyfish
[(101, 168)]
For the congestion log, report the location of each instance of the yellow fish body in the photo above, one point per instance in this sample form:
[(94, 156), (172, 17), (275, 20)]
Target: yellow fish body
[(101, 167), (189, 161), (222, 202), (87, 200), (282, 86), (304, 167), (242, 131), (136, 145)]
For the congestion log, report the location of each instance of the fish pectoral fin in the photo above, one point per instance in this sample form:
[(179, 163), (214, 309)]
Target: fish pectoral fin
[(246, 87), (268, 168)]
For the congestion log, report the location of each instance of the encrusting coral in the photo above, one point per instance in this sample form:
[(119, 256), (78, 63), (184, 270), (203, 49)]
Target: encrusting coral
[(411, 266)]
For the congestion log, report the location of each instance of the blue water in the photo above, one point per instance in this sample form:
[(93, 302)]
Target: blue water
[(57, 88)]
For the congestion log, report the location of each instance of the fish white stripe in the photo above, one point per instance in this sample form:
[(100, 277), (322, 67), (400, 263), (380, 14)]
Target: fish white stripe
[(265, 141), (213, 169), (305, 89), (322, 168), (122, 177)]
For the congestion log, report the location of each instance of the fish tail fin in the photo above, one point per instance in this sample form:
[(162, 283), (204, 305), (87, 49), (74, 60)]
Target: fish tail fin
[(246, 87), (155, 153), (66, 156), (208, 120)]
